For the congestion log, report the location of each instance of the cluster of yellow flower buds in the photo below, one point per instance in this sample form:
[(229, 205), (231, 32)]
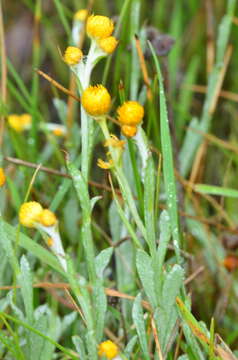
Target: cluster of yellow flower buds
[(108, 349), (32, 213), (19, 122), (130, 115), (2, 177), (96, 100), (100, 28)]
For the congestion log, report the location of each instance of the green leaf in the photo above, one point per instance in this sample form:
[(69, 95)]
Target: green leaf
[(166, 326), (138, 318), (165, 234), (100, 308), (130, 346), (216, 190), (146, 274), (186, 154), (94, 200), (79, 344), (173, 283), (7, 244), (37, 343), (193, 324), (83, 195), (26, 281), (135, 64), (37, 250), (102, 260), (149, 196), (37, 332), (168, 166), (91, 345), (80, 187)]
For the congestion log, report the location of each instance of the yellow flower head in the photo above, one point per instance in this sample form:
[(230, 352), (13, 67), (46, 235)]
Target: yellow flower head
[(58, 132), (81, 15), (115, 142), (30, 213), (129, 131), (105, 164), (99, 27), (96, 100), (108, 349), (108, 45), (130, 113), (19, 122), (47, 218), (26, 120), (72, 55), (2, 177)]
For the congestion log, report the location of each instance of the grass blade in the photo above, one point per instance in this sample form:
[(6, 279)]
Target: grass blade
[(168, 167)]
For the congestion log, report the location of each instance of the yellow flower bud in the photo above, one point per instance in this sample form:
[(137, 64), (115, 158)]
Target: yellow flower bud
[(96, 100), (108, 45), (81, 15), (130, 113), (47, 218), (129, 131), (72, 55), (108, 349), (19, 122), (99, 27), (30, 213), (26, 120), (2, 177), (58, 132)]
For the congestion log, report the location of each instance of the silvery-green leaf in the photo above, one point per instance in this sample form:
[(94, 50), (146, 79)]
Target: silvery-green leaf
[(138, 317), (149, 198), (37, 342), (68, 320), (130, 346), (165, 234), (114, 222), (172, 285), (19, 314), (94, 200), (102, 260), (79, 345), (6, 245), (91, 345), (26, 281), (146, 274), (100, 308), (165, 324)]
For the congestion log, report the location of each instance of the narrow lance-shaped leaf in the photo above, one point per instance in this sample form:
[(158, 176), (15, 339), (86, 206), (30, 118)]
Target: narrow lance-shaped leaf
[(137, 314), (26, 282), (168, 166), (146, 274)]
